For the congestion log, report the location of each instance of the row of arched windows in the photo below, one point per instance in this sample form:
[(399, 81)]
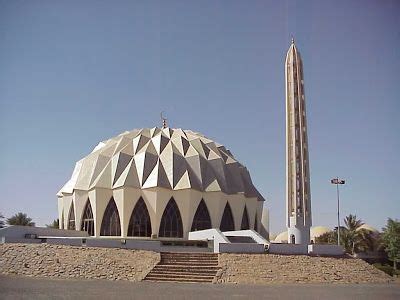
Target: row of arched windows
[(140, 224)]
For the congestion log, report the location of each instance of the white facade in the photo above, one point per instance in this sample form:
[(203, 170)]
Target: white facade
[(298, 196), (159, 168)]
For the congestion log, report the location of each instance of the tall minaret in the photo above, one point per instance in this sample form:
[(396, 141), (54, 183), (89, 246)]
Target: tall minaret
[(298, 197)]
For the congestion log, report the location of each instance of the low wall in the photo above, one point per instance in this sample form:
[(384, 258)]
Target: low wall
[(124, 244), (241, 248), (7, 239), (287, 249), (61, 241), (325, 250), (17, 231)]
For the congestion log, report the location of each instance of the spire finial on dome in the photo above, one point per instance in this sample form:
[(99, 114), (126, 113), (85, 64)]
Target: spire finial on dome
[(292, 40), (163, 120)]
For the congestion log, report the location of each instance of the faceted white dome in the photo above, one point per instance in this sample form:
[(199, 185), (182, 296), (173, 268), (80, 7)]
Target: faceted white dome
[(169, 158)]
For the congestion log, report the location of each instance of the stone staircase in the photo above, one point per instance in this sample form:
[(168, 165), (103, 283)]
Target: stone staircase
[(185, 267)]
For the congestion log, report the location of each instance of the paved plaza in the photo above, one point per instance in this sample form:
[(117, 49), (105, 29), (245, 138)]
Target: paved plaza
[(40, 288)]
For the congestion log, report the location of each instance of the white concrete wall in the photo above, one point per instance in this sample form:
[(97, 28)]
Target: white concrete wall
[(156, 200), (208, 235), (325, 250), (16, 231), (241, 248), (288, 249), (249, 233)]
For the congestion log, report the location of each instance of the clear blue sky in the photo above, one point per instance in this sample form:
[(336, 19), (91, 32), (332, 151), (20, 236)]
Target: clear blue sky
[(73, 73)]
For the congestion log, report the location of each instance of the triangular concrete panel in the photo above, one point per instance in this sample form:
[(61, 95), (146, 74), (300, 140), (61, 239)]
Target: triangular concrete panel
[(141, 142), (104, 179), (139, 163), (184, 182), (100, 165), (108, 150), (213, 187), (180, 168), (191, 152), (123, 161), (149, 164), (128, 149), (129, 177), (162, 180)]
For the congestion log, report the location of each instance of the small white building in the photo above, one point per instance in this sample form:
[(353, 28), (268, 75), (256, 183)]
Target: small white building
[(159, 183)]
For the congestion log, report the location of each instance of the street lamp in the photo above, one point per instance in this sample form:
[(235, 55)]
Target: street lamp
[(338, 181)]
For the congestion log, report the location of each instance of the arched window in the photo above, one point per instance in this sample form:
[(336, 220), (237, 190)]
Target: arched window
[(256, 224), (227, 223), (140, 224), (245, 220), (171, 221), (111, 226), (71, 217), (201, 218), (87, 219)]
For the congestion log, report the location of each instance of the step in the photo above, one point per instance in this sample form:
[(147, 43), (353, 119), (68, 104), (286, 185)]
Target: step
[(189, 257), (184, 262), (179, 280), (168, 272), (187, 276), (185, 268), (177, 274)]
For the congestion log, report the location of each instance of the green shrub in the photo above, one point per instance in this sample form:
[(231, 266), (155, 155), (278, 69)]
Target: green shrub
[(387, 269)]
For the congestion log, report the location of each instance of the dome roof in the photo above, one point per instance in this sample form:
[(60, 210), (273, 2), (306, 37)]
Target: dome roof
[(367, 227), (174, 159), (282, 237), (317, 231)]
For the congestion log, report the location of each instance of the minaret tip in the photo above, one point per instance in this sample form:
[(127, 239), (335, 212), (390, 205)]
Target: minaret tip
[(163, 120), (292, 40)]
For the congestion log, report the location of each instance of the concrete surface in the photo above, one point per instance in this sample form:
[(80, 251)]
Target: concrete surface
[(35, 288)]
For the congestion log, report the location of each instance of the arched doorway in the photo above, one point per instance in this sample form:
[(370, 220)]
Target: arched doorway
[(139, 223), (111, 226), (201, 218), (171, 221), (87, 219), (227, 223), (292, 239)]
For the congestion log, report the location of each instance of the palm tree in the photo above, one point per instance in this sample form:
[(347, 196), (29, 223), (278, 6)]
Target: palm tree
[(20, 219), (353, 237)]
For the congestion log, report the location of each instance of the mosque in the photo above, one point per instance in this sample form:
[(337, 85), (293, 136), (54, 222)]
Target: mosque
[(159, 183), (165, 183)]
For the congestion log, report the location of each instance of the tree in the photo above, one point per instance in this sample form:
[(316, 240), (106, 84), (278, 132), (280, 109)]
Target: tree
[(327, 238), (353, 237), (20, 219), (55, 224), (391, 241), (1, 220)]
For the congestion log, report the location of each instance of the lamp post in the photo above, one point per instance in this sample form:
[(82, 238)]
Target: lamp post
[(338, 181)]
